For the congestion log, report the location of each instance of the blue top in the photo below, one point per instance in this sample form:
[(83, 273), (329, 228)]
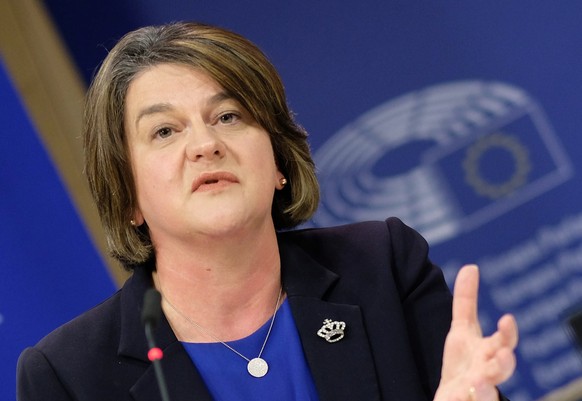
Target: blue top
[(226, 376)]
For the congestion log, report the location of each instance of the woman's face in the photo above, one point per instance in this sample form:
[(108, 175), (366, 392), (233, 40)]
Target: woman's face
[(202, 165)]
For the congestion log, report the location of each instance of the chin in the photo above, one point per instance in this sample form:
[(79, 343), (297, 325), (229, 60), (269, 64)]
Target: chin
[(234, 224), (223, 224)]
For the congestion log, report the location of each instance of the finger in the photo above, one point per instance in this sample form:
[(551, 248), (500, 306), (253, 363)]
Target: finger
[(507, 327), (465, 295), (505, 337), (500, 368), (489, 346), (498, 351)]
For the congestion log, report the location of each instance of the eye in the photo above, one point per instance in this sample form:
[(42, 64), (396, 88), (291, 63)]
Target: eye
[(163, 132), (228, 118)]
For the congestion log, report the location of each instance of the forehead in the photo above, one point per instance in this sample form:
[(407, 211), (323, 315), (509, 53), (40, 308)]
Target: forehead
[(166, 86), (169, 77)]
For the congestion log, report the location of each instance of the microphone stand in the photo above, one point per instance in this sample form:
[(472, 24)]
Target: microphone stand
[(150, 316)]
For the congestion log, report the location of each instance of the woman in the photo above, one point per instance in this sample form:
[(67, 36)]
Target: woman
[(198, 169)]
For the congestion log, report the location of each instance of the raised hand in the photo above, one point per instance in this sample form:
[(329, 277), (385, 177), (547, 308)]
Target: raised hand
[(474, 365)]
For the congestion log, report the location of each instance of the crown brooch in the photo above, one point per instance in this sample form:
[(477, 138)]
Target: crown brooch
[(332, 331)]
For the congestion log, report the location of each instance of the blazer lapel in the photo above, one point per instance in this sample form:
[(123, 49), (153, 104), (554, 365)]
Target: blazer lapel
[(183, 380), (332, 364)]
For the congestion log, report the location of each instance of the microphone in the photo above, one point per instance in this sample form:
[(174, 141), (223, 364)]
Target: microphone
[(150, 315)]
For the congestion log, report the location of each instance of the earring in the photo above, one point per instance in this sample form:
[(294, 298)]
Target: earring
[(132, 222), (283, 181)]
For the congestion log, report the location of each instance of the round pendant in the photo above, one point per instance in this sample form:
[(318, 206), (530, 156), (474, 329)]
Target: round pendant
[(258, 367)]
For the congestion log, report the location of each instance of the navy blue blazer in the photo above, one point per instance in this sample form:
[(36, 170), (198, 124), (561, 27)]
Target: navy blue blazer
[(375, 276)]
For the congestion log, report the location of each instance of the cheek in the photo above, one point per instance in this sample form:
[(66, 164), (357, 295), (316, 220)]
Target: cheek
[(266, 168), (151, 176), (265, 157)]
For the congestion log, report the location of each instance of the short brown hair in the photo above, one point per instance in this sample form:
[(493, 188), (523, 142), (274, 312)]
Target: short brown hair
[(242, 70)]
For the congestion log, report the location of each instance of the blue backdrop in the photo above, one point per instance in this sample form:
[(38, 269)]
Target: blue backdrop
[(460, 117), (50, 270)]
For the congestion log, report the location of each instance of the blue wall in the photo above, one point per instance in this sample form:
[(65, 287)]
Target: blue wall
[(50, 270)]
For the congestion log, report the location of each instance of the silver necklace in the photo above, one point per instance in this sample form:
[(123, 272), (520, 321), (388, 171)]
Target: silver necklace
[(257, 367)]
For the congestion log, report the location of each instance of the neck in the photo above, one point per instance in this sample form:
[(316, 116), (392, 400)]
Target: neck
[(229, 287)]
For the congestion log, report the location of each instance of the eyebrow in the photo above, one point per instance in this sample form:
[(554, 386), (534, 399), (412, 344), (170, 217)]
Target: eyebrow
[(163, 107), (153, 109)]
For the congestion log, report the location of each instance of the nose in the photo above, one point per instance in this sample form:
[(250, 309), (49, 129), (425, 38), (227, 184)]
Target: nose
[(204, 144)]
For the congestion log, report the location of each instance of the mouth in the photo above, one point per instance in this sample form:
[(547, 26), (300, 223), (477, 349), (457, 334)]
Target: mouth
[(213, 180)]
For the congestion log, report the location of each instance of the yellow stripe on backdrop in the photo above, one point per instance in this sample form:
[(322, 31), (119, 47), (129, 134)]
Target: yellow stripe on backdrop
[(53, 91)]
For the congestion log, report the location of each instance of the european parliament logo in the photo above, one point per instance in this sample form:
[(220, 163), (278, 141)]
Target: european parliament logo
[(446, 159)]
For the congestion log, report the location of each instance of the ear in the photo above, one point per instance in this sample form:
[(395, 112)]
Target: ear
[(138, 219)]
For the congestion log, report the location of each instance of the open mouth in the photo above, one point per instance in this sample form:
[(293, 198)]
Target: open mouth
[(213, 180)]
